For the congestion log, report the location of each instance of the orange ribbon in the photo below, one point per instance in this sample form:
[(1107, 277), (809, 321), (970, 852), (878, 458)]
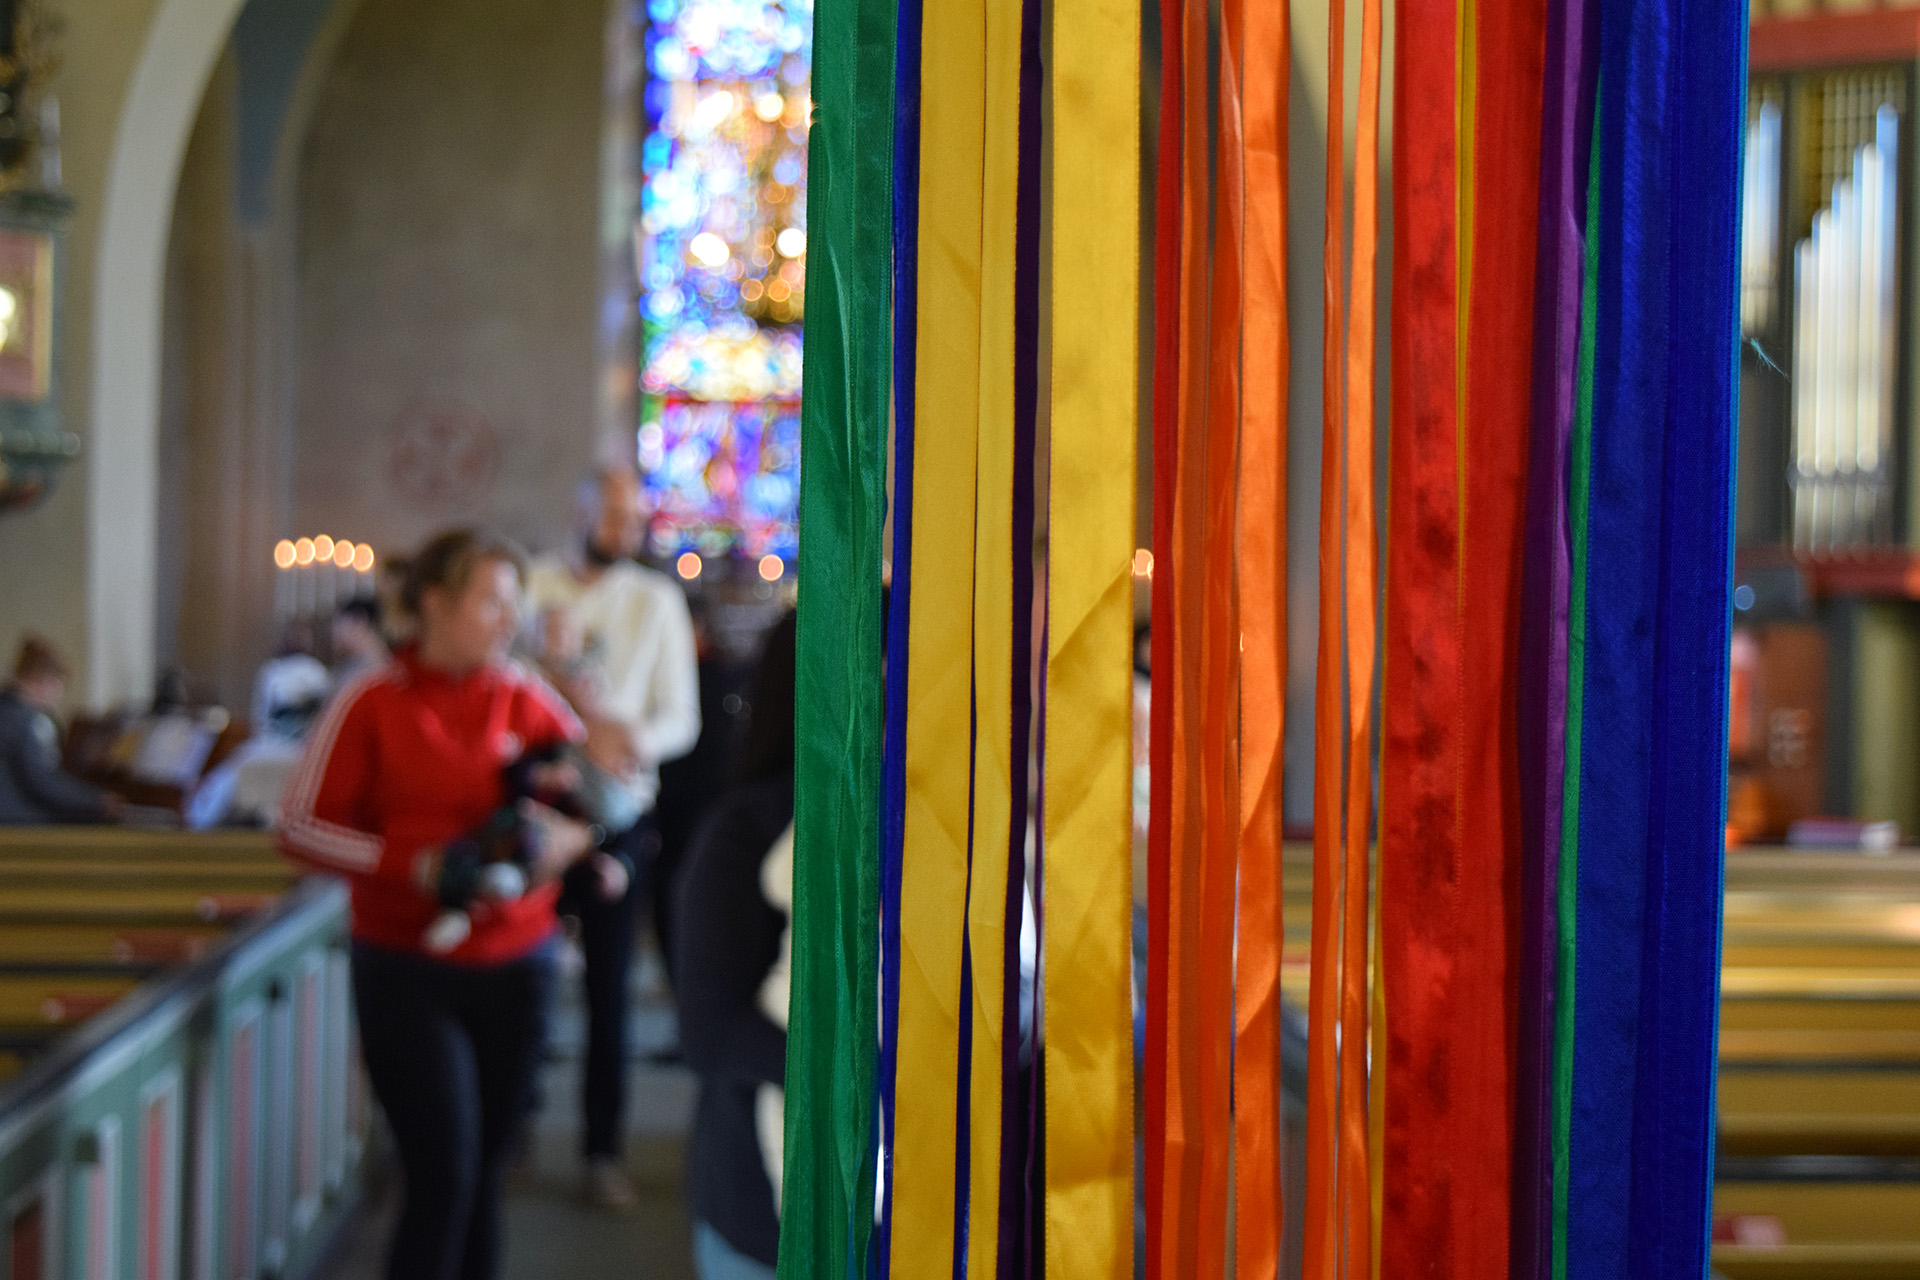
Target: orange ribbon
[(1322, 1246), (1220, 636), (1265, 351), (1185, 1137), (1362, 546), (1338, 1210)]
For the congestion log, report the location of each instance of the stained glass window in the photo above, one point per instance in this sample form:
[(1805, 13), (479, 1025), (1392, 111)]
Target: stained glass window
[(722, 244)]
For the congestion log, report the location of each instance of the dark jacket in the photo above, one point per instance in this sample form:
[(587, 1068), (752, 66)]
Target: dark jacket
[(34, 790), (728, 940)]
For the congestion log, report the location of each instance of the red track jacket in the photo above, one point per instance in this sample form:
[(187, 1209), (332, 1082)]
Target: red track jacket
[(407, 758)]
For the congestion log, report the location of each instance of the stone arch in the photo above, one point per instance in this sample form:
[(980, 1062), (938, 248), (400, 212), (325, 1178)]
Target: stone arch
[(183, 42), (290, 43)]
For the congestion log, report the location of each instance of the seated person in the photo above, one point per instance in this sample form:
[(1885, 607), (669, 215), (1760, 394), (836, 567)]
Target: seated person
[(357, 642), (291, 688), (245, 789), (34, 790)]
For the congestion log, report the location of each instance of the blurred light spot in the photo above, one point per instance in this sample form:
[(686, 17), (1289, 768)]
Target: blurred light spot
[(1743, 597), (713, 111), (792, 242), (708, 250), (1143, 563), (771, 567), (283, 553), (363, 559), (303, 551), (343, 553), (323, 548), (768, 106), (688, 565)]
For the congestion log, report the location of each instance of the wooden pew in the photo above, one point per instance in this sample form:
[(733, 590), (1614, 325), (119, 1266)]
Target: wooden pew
[(174, 1006), (110, 844), (1832, 1230), (1819, 1068)]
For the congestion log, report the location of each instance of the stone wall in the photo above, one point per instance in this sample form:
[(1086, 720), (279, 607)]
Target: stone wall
[(448, 271)]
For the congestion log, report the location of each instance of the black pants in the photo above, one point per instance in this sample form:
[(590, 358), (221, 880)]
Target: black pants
[(451, 1052), (606, 944)]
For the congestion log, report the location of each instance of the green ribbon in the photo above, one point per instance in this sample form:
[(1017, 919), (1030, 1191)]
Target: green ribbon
[(1578, 502), (831, 1138)]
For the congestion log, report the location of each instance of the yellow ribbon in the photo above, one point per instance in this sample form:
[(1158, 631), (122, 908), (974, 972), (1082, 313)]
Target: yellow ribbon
[(992, 624), (933, 874), (1088, 877)]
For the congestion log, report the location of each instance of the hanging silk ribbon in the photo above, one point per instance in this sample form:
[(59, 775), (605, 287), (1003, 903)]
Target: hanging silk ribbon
[(1087, 873), (1168, 580), (927, 1203), (1019, 1137), (993, 673), (1567, 939), (1220, 652), (1450, 803), (1654, 715), (1420, 849), (1616, 756), (1181, 649), (1262, 584), (1361, 551), (1705, 92), (1321, 1256), (831, 1139), (1339, 1186), (1567, 102), (1506, 103), (893, 765)]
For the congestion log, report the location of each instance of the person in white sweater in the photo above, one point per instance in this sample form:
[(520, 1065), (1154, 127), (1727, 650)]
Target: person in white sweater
[(616, 639)]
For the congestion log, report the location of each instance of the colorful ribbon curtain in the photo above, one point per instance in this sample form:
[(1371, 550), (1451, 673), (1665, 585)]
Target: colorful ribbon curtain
[(1514, 949), (916, 1129)]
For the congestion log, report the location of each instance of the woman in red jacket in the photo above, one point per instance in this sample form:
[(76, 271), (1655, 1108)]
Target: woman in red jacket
[(406, 762)]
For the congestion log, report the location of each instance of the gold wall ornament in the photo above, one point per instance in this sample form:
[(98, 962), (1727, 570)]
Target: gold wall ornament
[(29, 114)]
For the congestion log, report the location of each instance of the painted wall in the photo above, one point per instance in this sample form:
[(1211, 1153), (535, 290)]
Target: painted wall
[(44, 554), (448, 271), (1886, 728)]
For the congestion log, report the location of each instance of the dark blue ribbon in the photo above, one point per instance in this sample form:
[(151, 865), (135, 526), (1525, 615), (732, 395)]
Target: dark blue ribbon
[(1651, 825), (1671, 1205), (893, 764)]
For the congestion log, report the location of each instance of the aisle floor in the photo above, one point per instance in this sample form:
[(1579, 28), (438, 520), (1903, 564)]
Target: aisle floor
[(551, 1233)]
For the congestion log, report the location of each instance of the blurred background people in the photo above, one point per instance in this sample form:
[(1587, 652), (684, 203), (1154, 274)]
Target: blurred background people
[(288, 695), (733, 906), (291, 687), (355, 640), (34, 789), (617, 641), (690, 786), (400, 773)]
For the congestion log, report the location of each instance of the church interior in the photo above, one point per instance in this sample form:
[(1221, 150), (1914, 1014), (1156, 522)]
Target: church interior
[(290, 287)]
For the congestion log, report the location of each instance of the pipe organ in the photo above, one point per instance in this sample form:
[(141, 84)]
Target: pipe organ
[(1821, 299)]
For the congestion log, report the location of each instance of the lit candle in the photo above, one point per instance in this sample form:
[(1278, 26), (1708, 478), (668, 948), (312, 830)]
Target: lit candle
[(305, 597), (282, 580), (363, 567)]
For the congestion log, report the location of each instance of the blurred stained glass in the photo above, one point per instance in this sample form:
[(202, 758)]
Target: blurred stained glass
[(723, 477), (721, 249)]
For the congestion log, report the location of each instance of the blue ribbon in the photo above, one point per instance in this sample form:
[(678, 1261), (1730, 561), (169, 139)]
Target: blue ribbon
[(893, 763), (1671, 1206), (1652, 804)]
